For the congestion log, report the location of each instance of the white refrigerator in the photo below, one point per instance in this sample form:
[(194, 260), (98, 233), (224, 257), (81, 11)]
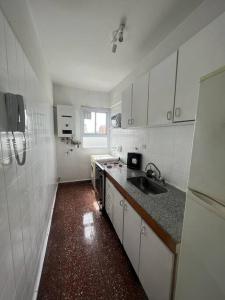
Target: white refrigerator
[(201, 264)]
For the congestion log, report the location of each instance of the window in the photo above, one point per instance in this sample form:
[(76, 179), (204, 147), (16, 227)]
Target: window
[(94, 127)]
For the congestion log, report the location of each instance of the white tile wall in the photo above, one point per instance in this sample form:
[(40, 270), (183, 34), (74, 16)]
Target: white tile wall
[(26, 192), (168, 147)]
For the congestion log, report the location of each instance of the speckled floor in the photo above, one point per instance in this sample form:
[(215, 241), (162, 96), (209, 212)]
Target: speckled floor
[(84, 258)]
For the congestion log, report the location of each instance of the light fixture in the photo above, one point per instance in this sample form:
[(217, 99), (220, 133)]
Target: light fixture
[(118, 36)]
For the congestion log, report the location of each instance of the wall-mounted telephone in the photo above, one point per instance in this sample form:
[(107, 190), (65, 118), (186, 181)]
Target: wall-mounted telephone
[(15, 112)]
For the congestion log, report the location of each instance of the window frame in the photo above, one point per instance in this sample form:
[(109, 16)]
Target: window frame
[(96, 110)]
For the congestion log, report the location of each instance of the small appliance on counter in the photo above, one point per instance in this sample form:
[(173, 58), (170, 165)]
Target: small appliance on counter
[(134, 160), (116, 121)]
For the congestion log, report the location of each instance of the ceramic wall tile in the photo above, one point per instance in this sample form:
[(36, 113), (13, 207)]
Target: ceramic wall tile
[(168, 147), (26, 192)]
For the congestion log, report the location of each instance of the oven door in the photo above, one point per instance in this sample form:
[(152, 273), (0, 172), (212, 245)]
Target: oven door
[(100, 185)]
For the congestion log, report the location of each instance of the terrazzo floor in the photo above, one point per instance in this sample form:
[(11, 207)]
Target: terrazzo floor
[(84, 257)]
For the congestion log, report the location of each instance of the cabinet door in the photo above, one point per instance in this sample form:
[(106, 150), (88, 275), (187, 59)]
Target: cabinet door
[(126, 107), (131, 234), (118, 203), (140, 101), (108, 200), (162, 91), (156, 265), (202, 54)]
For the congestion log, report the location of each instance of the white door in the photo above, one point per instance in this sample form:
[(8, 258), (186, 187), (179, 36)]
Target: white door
[(109, 200), (199, 56), (140, 101), (162, 91), (201, 268), (131, 234), (126, 107), (118, 203), (156, 265)]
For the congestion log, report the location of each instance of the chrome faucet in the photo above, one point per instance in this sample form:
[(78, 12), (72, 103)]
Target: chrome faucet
[(154, 173)]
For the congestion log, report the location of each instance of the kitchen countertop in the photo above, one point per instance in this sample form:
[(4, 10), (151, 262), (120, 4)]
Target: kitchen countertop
[(163, 212)]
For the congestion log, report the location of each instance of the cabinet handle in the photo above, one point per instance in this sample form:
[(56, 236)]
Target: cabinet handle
[(177, 112), (128, 122), (143, 230), (121, 203), (169, 115), (125, 206), (132, 121)]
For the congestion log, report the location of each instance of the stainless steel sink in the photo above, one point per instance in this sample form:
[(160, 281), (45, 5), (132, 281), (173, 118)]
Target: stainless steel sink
[(147, 185)]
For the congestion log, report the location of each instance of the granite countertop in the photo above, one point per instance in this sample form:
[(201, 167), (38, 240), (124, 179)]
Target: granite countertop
[(166, 209)]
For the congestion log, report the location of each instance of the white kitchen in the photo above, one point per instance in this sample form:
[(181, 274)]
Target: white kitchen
[(112, 149)]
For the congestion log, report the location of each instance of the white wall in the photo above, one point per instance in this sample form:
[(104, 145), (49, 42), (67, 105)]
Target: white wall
[(18, 15), (76, 165), (26, 192)]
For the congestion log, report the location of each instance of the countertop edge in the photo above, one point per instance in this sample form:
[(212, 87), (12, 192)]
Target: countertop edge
[(159, 231)]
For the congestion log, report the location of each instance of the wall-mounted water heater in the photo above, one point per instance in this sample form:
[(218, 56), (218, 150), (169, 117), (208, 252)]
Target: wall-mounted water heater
[(65, 120)]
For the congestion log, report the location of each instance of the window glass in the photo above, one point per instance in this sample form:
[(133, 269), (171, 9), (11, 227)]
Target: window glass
[(101, 127), (89, 123), (94, 128)]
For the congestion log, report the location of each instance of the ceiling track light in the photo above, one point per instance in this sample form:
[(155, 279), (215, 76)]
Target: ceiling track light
[(118, 36)]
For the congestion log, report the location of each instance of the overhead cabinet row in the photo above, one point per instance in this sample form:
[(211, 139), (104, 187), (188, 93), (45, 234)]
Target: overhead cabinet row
[(169, 91)]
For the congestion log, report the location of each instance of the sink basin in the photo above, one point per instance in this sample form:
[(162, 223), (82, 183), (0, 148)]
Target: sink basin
[(147, 185)]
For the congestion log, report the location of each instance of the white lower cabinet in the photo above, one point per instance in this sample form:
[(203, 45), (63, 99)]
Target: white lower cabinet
[(114, 202), (151, 259), (118, 202), (131, 234), (156, 265)]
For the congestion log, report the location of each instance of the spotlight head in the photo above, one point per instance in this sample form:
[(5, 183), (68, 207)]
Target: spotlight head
[(114, 48)]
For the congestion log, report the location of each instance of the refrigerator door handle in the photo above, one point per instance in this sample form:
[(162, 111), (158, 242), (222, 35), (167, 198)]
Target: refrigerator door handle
[(208, 202)]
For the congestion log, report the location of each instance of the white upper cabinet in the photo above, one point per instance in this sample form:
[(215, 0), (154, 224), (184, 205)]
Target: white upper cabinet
[(156, 265), (126, 107), (131, 234), (140, 101), (202, 54), (162, 91)]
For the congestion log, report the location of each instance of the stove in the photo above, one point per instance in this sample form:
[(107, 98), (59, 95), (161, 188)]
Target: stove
[(114, 164), (100, 168)]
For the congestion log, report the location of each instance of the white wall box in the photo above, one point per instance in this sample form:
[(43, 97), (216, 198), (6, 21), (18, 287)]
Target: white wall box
[(127, 107), (162, 91), (65, 120), (202, 54), (140, 101), (156, 265), (131, 234)]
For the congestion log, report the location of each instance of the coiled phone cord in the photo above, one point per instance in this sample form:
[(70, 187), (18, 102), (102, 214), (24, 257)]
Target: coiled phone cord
[(20, 162)]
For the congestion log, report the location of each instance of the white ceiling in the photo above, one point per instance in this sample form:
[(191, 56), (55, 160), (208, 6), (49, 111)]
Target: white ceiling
[(76, 36)]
